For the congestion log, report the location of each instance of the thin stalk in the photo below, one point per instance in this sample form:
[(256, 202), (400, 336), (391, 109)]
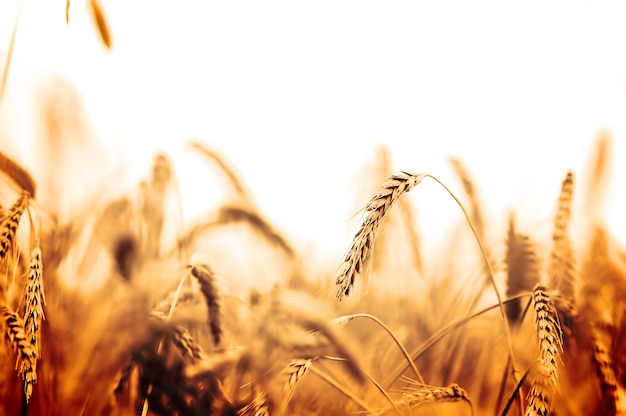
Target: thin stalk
[(375, 383), (438, 336), (483, 252), (342, 389), (395, 339)]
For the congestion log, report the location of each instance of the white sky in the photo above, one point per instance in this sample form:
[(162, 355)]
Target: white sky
[(297, 95)]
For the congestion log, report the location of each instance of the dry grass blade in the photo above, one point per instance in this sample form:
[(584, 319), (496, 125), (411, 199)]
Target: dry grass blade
[(360, 251), (26, 354), (101, 22), (67, 12), (17, 174), (295, 371), (522, 269), (208, 286), (9, 224), (562, 265), (550, 341), (34, 300)]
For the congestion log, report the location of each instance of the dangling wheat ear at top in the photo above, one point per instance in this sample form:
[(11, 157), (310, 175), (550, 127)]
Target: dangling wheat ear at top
[(363, 243)]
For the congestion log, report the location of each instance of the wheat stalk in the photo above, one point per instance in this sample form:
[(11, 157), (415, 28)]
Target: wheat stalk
[(550, 342), (26, 354), (363, 243)]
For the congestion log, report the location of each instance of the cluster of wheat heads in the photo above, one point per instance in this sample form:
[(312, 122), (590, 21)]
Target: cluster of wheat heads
[(133, 327)]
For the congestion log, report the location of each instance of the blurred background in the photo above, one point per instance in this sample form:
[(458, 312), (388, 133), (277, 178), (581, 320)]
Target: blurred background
[(299, 96)]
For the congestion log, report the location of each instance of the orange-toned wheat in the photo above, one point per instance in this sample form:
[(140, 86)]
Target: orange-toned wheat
[(26, 354), (562, 266), (363, 243), (604, 371), (415, 396), (208, 286), (34, 299), (295, 370), (550, 342), (9, 224), (523, 270)]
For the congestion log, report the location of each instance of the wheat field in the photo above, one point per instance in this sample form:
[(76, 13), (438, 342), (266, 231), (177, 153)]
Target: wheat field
[(113, 303), (104, 313)]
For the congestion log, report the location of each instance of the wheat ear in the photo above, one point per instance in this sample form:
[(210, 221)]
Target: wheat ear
[(523, 271), (418, 394), (550, 342), (26, 354), (562, 266), (363, 243), (208, 286), (34, 299), (9, 224), (294, 371), (602, 362)]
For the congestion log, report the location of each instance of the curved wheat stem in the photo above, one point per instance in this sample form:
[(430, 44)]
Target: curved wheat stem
[(342, 320)]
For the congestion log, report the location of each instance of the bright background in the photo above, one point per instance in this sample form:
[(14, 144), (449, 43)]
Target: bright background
[(297, 96)]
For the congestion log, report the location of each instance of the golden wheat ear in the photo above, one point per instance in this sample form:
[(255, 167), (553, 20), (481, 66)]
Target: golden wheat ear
[(9, 225), (523, 270), (18, 340), (356, 261), (549, 338), (208, 286), (562, 270)]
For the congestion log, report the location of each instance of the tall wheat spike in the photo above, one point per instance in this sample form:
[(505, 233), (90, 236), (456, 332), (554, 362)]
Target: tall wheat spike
[(9, 224), (294, 371), (550, 343), (362, 246), (208, 286), (523, 271), (34, 299), (562, 265), (603, 364), (26, 354)]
